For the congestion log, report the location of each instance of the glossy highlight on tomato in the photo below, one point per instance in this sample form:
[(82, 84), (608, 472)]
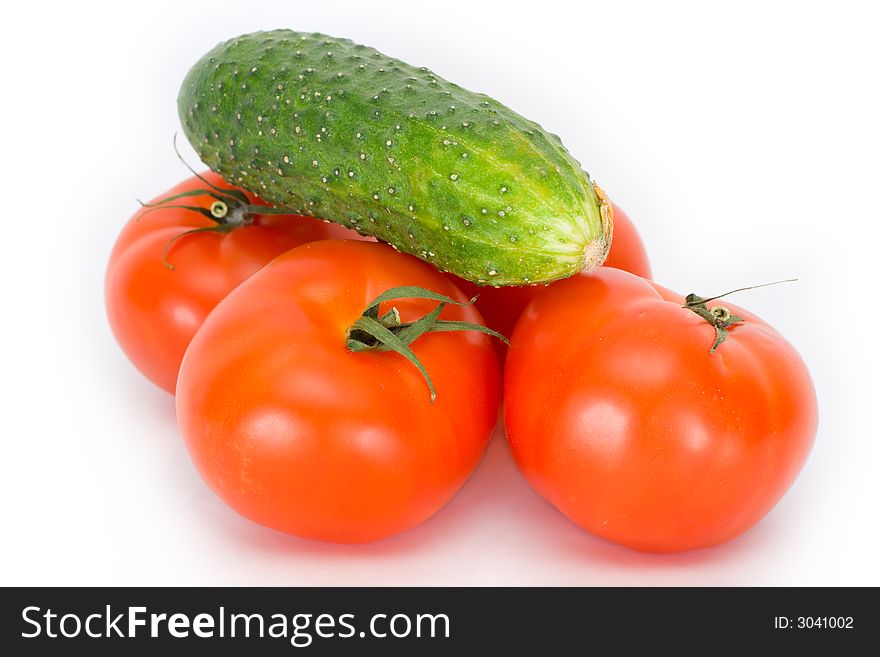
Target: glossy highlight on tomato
[(619, 415), (298, 433), (156, 300)]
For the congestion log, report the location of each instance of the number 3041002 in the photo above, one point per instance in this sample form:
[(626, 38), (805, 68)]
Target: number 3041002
[(825, 622)]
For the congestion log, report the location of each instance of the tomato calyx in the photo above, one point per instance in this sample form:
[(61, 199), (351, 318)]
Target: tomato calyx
[(720, 316), (372, 332), (231, 209)]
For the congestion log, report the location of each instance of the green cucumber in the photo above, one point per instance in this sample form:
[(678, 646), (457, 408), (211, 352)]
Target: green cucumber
[(330, 128)]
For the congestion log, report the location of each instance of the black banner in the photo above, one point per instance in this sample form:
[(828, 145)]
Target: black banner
[(438, 621)]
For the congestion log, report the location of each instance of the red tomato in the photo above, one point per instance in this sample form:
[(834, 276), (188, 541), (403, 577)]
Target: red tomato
[(155, 310), (297, 433), (502, 306), (617, 413)]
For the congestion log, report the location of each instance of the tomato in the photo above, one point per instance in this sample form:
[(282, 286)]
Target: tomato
[(154, 310), (296, 432), (502, 306), (618, 414)]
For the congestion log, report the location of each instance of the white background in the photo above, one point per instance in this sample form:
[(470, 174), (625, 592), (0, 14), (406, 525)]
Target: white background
[(741, 138)]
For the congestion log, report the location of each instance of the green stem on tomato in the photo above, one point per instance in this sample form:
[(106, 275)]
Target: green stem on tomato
[(371, 332), (720, 316)]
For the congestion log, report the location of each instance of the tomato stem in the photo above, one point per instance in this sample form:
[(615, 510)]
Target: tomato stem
[(720, 316), (372, 332), (231, 208)]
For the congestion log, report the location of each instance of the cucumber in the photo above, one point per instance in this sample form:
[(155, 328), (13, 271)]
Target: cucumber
[(329, 128)]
